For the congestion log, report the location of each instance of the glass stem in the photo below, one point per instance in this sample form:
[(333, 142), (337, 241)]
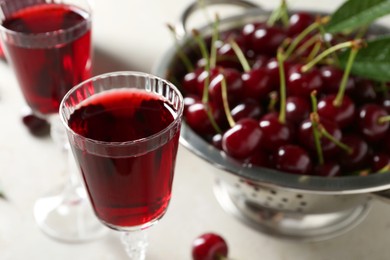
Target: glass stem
[(135, 243), (58, 134)]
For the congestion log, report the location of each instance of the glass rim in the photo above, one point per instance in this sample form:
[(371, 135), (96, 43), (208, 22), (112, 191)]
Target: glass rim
[(87, 20), (176, 120)]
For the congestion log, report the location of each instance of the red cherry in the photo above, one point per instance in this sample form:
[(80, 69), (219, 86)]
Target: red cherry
[(306, 137), (36, 126), (369, 122), (299, 22), (190, 82), (297, 109), (209, 246), (328, 169), (343, 115), (233, 84), (331, 78), (242, 139), (379, 161), (198, 120), (364, 92), (303, 83), (358, 157), (275, 133), (248, 109), (266, 40), (293, 159), (257, 84)]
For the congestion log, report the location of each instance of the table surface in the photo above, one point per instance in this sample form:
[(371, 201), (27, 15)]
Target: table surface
[(132, 35)]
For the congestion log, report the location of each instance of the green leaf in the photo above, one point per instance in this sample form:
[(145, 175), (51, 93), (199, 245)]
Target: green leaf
[(372, 61), (356, 13)]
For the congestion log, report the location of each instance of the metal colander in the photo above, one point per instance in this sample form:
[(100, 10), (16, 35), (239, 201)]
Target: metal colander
[(291, 206)]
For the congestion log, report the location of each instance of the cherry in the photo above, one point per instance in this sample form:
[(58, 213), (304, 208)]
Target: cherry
[(189, 100), (297, 109), (272, 66), (203, 74), (329, 147), (343, 114), (298, 22), (233, 83), (364, 92), (198, 120), (357, 158), (266, 39), (216, 141), (248, 109), (303, 84), (248, 30), (328, 169), (37, 126), (370, 124), (257, 83), (331, 78), (260, 62), (189, 82), (226, 57), (209, 246), (379, 161), (293, 159), (242, 139), (259, 158), (275, 133)]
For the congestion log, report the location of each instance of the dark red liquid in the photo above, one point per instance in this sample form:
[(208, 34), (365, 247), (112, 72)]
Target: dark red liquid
[(132, 190), (46, 72)]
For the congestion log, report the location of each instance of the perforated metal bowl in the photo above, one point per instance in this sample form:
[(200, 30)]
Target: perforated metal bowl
[(302, 208)]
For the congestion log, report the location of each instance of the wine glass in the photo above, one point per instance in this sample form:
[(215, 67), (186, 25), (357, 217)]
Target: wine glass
[(123, 128), (48, 45)]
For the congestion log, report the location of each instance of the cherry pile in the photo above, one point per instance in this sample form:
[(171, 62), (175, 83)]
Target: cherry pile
[(273, 111)]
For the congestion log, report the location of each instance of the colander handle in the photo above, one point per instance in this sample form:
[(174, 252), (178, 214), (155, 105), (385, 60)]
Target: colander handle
[(181, 28)]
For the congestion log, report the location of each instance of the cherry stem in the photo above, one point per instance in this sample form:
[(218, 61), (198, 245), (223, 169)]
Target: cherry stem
[(214, 38), (314, 118), (205, 97), (280, 13), (317, 137), (184, 58), (304, 33), (384, 119), (306, 44), (325, 53), (327, 43), (282, 111), (205, 55), (340, 93), (326, 134), (225, 101), (315, 50), (273, 100), (240, 55)]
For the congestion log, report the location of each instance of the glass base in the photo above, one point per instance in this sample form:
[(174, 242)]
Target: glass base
[(68, 218)]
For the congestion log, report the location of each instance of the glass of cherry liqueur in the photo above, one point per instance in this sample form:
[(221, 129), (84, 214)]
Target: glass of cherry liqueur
[(48, 45), (123, 128)]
